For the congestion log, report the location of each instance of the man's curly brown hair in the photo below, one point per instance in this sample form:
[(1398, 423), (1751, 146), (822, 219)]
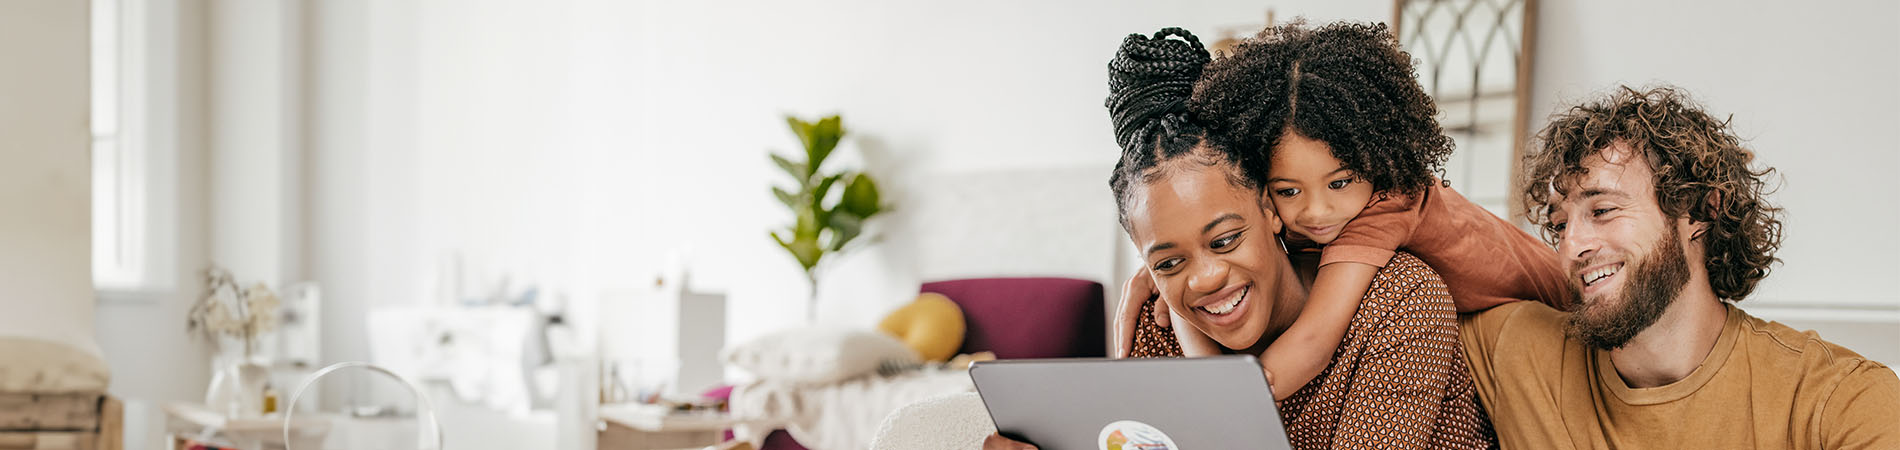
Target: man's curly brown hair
[(1346, 84), (1700, 166)]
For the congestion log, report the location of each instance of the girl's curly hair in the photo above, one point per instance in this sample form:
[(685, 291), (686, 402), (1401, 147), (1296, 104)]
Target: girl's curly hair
[(1346, 84), (1701, 170)]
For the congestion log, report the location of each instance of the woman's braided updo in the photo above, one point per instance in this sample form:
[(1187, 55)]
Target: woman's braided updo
[(1149, 84)]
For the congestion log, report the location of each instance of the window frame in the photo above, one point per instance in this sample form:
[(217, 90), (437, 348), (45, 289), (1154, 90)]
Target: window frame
[(134, 149)]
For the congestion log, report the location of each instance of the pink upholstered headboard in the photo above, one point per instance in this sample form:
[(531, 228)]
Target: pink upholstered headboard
[(1029, 317)]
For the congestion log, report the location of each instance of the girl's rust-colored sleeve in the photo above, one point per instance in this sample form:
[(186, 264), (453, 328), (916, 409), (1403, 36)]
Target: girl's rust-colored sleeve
[(1377, 232)]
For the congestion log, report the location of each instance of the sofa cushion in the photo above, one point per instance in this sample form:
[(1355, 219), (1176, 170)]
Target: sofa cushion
[(932, 325), (818, 355), (42, 366)]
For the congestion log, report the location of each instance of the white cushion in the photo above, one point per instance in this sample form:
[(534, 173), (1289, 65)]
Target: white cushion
[(815, 356), (951, 422)]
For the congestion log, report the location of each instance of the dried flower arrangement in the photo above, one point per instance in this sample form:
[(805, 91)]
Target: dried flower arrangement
[(228, 310)]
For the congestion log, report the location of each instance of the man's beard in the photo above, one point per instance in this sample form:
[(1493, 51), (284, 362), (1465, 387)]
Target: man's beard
[(1653, 284)]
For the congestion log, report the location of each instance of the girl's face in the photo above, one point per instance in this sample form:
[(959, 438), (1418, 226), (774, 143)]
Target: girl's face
[(1212, 250), (1313, 191)]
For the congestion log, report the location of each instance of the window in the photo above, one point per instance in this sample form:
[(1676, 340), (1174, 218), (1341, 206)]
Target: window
[(133, 145)]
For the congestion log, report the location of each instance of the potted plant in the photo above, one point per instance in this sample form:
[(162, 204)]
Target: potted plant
[(235, 319), (828, 209)]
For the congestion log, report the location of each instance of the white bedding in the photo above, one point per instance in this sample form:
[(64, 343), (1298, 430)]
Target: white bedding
[(842, 416)]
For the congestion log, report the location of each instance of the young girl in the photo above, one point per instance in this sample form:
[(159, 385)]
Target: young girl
[(1348, 146)]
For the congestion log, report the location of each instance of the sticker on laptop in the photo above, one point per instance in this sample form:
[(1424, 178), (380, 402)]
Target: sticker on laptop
[(1132, 435)]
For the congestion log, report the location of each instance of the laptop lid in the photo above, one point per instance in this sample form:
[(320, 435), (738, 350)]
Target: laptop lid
[(1132, 404)]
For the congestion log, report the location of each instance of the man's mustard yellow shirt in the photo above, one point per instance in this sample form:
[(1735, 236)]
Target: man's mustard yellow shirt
[(1764, 385)]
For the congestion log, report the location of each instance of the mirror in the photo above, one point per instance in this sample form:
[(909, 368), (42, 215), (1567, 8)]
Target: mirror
[(1474, 58)]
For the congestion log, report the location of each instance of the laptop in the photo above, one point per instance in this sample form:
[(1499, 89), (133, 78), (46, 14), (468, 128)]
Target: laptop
[(1132, 404)]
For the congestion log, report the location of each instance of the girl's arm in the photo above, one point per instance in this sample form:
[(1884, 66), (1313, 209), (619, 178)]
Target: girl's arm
[(1306, 348)]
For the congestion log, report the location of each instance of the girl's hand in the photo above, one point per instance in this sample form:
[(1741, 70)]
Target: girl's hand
[(1138, 290)]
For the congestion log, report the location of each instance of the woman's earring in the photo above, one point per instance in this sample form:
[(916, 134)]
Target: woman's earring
[(1282, 245)]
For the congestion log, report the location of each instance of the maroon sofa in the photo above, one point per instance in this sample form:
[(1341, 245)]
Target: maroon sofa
[(1029, 317)]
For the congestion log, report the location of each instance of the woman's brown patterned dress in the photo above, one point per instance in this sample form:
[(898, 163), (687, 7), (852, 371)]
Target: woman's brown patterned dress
[(1398, 379)]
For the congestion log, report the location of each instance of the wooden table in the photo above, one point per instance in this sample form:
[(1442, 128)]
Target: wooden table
[(195, 422), (649, 427)]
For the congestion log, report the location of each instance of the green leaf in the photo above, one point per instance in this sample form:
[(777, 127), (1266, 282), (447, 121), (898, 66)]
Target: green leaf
[(806, 252), (807, 227), (824, 138), (861, 197), (803, 130), (790, 201), (817, 200), (845, 226), (797, 171), (824, 188)]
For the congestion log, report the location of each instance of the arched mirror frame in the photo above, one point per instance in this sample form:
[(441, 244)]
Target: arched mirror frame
[(1474, 57)]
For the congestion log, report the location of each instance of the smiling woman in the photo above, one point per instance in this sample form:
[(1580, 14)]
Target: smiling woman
[(1211, 246), (1395, 379)]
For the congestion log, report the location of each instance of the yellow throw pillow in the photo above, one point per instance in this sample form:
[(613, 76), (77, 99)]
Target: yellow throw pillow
[(932, 325)]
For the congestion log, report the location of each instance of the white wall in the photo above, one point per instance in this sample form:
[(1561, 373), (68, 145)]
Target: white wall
[(45, 173), (255, 140), (360, 204)]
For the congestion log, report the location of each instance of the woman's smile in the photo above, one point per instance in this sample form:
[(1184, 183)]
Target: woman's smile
[(1225, 308)]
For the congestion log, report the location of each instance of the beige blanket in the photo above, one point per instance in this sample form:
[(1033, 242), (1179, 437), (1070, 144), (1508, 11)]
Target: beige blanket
[(841, 416)]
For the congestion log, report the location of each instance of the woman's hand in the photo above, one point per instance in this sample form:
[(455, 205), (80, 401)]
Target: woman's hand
[(1138, 290), (1276, 396), (998, 442)]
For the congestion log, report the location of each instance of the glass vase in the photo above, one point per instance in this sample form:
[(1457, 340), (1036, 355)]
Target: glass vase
[(237, 382)]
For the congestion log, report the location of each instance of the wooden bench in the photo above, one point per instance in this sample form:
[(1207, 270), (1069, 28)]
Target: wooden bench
[(61, 421)]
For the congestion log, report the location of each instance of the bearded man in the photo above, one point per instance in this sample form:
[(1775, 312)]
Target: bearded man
[(1665, 228)]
